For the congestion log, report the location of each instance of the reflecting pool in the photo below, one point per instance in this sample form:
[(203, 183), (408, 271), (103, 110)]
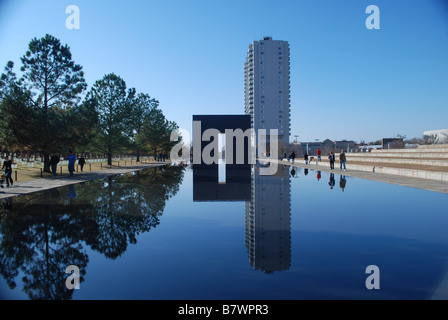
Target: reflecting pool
[(168, 233)]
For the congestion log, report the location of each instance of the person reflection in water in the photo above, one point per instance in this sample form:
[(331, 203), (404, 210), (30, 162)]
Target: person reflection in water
[(342, 182), (318, 175), (71, 192), (293, 172), (331, 183)]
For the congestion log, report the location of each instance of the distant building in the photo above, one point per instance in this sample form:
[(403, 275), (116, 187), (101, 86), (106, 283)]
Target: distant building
[(267, 88), (345, 144), (437, 136), (392, 143)]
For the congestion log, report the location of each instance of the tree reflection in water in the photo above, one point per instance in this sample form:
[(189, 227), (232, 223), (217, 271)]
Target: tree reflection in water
[(43, 233)]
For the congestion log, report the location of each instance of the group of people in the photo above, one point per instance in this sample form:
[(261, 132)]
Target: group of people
[(162, 157), (318, 154), (289, 157), (342, 160), (331, 157), (54, 160)]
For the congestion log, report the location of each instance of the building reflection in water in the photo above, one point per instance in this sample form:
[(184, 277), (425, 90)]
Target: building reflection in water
[(268, 221), (267, 209)]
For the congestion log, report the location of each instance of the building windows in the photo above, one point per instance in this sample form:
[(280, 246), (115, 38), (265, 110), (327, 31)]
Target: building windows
[(270, 68)]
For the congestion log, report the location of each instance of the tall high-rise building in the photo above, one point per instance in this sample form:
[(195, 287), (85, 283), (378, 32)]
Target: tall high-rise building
[(267, 86)]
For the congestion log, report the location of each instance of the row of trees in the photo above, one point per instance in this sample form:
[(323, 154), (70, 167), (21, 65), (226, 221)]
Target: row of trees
[(47, 110)]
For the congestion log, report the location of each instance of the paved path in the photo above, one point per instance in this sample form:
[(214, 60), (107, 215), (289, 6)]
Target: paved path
[(36, 185), (419, 183)]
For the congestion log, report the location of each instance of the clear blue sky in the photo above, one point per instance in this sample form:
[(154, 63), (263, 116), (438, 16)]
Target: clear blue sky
[(347, 82)]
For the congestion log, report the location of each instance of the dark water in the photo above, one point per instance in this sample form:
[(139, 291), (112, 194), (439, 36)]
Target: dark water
[(162, 234)]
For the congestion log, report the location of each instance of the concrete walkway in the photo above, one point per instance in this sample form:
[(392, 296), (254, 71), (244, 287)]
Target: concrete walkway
[(36, 185), (419, 183)]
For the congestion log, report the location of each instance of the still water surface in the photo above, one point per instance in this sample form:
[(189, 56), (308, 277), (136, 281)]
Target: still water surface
[(147, 235)]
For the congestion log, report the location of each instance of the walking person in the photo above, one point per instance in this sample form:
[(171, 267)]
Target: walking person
[(71, 163), (7, 165), (81, 162), (293, 156), (342, 158), (54, 160), (331, 158), (306, 157)]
